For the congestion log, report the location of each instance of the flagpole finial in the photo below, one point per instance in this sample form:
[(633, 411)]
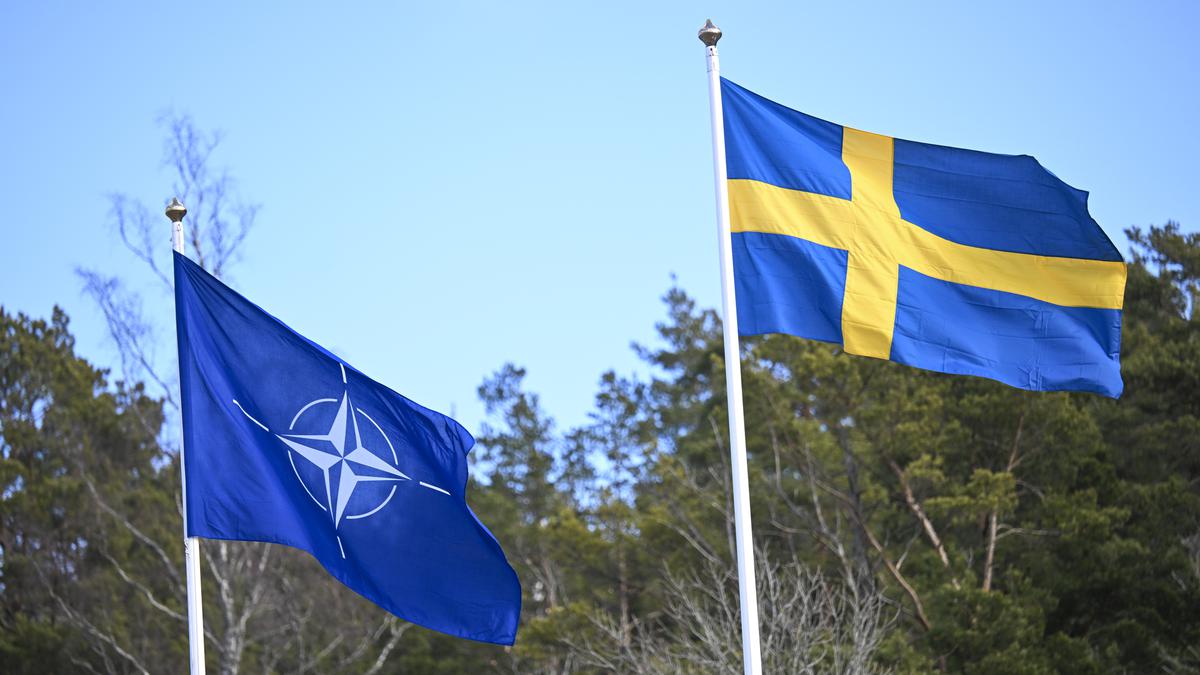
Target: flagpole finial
[(709, 34), (176, 210)]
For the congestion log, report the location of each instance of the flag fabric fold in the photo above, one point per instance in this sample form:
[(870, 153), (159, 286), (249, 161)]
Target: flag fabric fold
[(286, 443), (945, 259)]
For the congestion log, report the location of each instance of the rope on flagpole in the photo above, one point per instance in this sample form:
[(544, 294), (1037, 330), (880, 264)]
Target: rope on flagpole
[(751, 651), (191, 545)]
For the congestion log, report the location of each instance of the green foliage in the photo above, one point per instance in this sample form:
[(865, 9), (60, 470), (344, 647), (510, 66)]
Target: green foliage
[(908, 521), (68, 443)]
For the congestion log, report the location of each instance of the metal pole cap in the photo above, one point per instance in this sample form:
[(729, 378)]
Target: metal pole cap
[(176, 210), (709, 34)]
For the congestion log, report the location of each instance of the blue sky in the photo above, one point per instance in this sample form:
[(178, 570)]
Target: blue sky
[(448, 186)]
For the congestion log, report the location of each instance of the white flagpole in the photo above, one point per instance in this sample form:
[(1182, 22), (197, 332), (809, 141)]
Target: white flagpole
[(751, 652), (191, 545)]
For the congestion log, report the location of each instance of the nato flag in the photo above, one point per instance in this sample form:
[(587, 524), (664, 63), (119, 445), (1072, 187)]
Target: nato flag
[(286, 443)]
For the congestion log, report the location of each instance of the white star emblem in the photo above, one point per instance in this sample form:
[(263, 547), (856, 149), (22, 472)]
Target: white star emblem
[(342, 463), (341, 457)]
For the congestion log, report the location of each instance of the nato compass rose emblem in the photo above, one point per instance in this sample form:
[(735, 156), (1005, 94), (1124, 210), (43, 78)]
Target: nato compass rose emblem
[(348, 464)]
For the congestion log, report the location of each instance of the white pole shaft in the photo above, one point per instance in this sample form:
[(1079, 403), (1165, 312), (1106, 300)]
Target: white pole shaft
[(191, 545), (751, 651)]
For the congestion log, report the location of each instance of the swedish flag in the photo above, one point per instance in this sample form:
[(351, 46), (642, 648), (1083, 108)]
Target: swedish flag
[(950, 260)]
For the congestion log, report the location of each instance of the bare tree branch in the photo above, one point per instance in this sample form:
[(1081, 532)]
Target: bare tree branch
[(88, 627), (926, 523), (990, 557), (396, 631), (918, 605), (808, 626), (168, 565), (132, 334)]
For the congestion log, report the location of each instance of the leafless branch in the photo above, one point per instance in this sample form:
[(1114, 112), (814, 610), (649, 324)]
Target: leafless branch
[(918, 605), (131, 333), (78, 619), (808, 625), (396, 630), (926, 523), (990, 557), (168, 565)]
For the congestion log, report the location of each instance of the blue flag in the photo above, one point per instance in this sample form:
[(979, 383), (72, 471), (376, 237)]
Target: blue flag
[(286, 443), (950, 260)]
